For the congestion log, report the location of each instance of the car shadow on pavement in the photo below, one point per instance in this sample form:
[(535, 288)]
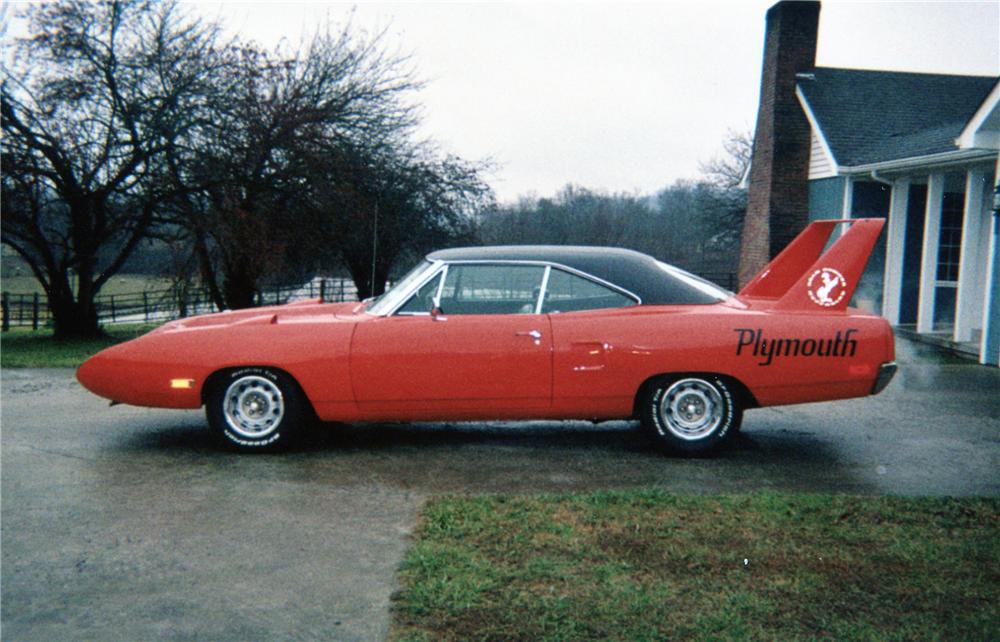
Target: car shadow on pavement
[(610, 437), (514, 457)]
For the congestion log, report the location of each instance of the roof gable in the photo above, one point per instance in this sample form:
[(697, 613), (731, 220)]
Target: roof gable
[(869, 116)]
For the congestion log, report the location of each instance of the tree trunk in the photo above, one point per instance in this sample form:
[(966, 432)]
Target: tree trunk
[(72, 318), (239, 289), (208, 276), (360, 268)]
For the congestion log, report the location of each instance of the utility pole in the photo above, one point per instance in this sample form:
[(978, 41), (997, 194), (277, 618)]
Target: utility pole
[(371, 287)]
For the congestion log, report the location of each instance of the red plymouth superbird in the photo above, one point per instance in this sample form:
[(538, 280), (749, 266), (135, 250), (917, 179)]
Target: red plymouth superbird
[(527, 332)]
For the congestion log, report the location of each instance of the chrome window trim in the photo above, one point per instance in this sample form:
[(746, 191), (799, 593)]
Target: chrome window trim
[(436, 268), (440, 288), (440, 266), (541, 290)]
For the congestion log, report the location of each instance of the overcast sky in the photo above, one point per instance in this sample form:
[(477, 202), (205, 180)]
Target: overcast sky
[(617, 96)]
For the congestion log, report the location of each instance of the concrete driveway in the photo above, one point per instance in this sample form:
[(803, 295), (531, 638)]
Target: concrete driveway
[(126, 523)]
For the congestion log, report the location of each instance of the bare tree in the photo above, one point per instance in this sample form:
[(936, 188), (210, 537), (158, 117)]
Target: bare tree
[(90, 104), (284, 122), (728, 169), (383, 204)]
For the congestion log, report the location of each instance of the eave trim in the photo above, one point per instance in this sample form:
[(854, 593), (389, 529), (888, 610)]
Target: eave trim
[(929, 160), (814, 123), (967, 138)]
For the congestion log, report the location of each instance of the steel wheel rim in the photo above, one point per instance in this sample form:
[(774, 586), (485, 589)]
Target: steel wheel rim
[(691, 409), (253, 406)]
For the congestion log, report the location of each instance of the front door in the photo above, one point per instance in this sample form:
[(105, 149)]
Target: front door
[(483, 353)]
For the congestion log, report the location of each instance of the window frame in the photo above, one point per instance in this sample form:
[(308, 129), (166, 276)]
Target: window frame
[(441, 270), (607, 286)]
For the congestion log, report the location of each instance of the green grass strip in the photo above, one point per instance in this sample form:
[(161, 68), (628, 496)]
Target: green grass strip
[(21, 348), (652, 566)]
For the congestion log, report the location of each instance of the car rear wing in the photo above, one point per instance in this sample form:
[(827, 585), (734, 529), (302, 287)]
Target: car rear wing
[(804, 277)]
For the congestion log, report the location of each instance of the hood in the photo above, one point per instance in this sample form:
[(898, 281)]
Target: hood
[(299, 310)]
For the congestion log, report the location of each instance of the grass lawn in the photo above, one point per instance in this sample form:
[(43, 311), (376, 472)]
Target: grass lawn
[(651, 566), (22, 348)]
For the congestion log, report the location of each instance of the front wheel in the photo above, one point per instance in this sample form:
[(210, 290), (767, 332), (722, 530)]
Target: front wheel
[(690, 415), (256, 409)]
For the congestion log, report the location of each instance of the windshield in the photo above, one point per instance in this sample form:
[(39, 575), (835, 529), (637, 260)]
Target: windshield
[(394, 296)]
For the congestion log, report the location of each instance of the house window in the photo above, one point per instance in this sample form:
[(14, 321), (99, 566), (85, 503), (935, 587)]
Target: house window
[(950, 243)]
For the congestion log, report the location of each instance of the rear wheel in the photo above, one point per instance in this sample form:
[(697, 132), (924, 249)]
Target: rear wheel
[(690, 415), (256, 409)]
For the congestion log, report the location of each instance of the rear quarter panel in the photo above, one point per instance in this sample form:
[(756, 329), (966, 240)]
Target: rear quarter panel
[(600, 359)]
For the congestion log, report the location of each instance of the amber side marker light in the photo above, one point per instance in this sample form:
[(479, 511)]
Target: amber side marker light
[(182, 384)]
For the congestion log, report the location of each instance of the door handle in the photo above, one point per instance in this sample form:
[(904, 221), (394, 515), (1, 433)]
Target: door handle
[(534, 334)]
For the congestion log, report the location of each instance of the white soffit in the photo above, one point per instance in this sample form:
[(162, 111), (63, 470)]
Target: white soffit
[(983, 129), (817, 130)]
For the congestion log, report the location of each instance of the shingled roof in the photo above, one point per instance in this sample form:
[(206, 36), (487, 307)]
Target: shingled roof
[(869, 116)]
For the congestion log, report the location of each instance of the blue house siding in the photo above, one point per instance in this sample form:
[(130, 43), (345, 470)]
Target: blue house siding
[(826, 198)]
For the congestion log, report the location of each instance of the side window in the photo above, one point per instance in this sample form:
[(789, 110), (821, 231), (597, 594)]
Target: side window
[(569, 293), (422, 300), (491, 289)]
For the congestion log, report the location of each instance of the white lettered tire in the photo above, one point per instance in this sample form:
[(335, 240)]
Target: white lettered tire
[(256, 409), (690, 414)]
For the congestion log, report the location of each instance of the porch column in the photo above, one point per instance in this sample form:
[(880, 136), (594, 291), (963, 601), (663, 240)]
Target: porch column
[(929, 255), (989, 348), (848, 203), (895, 241), (968, 305)]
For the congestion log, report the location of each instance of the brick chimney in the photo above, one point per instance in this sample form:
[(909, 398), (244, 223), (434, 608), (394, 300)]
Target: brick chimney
[(778, 195)]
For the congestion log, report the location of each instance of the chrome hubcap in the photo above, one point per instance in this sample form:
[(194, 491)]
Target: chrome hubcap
[(253, 406), (691, 409)]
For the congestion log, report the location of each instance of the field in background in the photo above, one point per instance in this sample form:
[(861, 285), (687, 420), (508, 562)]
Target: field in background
[(118, 285)]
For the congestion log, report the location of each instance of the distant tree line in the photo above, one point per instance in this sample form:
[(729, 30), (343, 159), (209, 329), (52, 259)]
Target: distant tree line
[(131, 124), (692, 224)]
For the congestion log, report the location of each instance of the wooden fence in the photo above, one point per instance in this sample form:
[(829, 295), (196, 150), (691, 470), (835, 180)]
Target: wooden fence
[(32, 310)]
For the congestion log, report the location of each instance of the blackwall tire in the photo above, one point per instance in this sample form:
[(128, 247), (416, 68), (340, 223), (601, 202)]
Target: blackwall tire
[(690, 415), (256, 409)]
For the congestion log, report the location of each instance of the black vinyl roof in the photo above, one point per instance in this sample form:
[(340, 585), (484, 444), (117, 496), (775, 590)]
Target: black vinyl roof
[(633, 271)]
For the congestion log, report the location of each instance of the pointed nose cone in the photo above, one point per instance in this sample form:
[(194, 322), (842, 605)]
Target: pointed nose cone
[(143, 372), (96, 375)]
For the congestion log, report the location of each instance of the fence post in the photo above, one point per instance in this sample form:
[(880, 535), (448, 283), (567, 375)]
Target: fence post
[(322, 290), (5, 309), (145, 306), (34, 311), (112, 308)]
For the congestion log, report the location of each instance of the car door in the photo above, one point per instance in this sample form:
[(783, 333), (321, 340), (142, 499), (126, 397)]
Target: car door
[(593, 330), (484, 352)]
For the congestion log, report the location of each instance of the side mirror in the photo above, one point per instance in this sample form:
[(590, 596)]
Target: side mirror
[(436, 312)]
